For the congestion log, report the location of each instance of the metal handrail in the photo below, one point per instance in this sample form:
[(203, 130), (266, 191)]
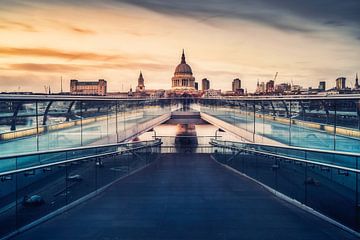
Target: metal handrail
[(117, 152), (19, 97), (286, 157), (71, 149), (288, 97), (185, 136)]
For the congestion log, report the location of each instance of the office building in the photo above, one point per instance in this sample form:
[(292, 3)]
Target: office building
[(205, 84), (340, 83), (236, 85)]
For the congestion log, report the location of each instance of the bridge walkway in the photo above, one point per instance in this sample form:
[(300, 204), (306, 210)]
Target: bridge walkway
[(185, 196)]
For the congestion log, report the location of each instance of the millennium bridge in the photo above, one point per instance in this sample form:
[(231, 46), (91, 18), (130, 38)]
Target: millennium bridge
[(76, 167)]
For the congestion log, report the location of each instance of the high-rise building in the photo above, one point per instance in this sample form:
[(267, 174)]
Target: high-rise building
[(260, 88), (357, 86), (236, 85), (322, 86), (88, 87), (270, 86), (205, 84), (183, 77), (141, 83), (340, 83)]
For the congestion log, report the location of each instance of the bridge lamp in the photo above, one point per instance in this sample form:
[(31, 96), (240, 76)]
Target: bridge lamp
[(152, 130), (218, 130)]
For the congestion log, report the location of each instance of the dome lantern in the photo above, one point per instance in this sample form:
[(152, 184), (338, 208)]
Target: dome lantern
[(183, 67)]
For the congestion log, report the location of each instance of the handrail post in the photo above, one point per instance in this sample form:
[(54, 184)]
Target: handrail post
[(305, 178), (357, 196), (16, 199)]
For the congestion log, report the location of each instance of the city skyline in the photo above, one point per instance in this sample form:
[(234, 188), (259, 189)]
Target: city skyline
[(238, 40)]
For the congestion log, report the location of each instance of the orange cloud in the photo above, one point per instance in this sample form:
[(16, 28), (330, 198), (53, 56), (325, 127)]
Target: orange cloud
[(35, 67), (47, 52), (8, 24), (82, 30)]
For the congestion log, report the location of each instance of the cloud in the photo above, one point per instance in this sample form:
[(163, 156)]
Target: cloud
[(146, 66), (82, 30), (34, 67), (289, 16), (8, 24), (280, 14), (65, 25), (54, 53), (50, 67)]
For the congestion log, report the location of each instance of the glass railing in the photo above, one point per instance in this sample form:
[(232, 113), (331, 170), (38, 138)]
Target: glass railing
[(329, 123), (37, 191), (326, 181), (25, 160), (338, 158), (38, 123)]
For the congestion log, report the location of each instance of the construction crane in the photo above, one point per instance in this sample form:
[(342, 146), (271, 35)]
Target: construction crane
[(276, 74)]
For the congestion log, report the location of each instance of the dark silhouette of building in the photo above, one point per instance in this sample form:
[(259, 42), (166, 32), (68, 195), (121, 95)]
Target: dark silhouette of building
[(205, 84), (270, 86), (340, 83), (282, 88), (322, 86), (141, 86), (357, 86), (236, 85)]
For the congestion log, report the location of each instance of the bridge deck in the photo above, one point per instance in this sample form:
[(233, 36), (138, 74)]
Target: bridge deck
[(186, 197)]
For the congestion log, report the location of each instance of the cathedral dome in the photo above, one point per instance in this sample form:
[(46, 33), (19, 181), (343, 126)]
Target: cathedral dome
[(183, 67), (183, 79)]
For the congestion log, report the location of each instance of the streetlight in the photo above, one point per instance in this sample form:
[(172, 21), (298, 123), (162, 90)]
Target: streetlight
[(218, 130), (152, 130)]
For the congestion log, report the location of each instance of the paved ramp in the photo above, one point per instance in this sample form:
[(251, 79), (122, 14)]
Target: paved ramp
[(186, 197)]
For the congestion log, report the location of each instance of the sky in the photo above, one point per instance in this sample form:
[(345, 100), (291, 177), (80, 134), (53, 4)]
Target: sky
[(42, 41)]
